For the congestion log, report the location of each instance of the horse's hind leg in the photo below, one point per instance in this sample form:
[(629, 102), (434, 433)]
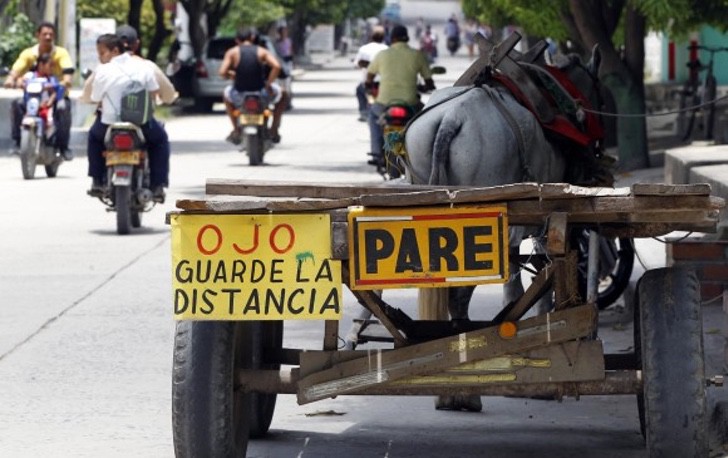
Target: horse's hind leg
[(459, 301)]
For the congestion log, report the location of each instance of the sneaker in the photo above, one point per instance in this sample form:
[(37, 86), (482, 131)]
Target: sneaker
[(97, 189), (363, 116), (158, 194), (14, 151), (235, 138), (275, 138), (67, 154)]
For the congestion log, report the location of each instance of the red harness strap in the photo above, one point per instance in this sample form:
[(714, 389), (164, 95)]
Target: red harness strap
[(561, 125)]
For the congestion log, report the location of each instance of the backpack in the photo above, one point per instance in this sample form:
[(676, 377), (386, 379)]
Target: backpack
[(137, 106)]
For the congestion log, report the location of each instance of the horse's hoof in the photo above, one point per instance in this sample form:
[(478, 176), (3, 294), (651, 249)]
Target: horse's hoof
[(469, 403), (445, 403)]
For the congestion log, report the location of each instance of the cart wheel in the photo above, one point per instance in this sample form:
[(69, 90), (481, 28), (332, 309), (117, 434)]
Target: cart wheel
[(669, 349), (211, 417)]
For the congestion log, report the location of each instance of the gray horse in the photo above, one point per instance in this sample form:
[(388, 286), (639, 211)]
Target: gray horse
[(480, 135)]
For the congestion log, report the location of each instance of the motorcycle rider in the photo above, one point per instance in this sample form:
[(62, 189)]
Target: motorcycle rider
[(398, 68), (62, 68), (159, 151), (362, 59), (110, 80), (53, 90), (245, 65)]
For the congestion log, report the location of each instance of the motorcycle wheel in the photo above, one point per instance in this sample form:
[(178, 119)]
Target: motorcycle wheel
[(122, 204), (254, 147), (52, 168), (28, 158), (136, 218)]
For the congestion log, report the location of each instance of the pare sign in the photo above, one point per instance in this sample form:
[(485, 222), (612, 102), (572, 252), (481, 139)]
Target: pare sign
[(428, 247)]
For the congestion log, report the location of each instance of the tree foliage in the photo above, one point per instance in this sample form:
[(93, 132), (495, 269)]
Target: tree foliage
[(15, 38)]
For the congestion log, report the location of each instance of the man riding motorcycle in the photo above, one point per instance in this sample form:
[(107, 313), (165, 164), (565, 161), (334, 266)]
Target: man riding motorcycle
[(62, 68), (110, 80), (398, 68), (245, 65)]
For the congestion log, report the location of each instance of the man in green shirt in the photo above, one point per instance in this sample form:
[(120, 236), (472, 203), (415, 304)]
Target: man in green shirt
[(397, 68)]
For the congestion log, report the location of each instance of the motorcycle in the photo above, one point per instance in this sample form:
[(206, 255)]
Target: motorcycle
[(253, 117), (453, 44), (37, 146), (394, 120), (128, 192)]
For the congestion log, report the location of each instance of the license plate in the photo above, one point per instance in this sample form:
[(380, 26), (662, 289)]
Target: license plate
[(251, 119), (254, 267), (123, 157), (428, 247)]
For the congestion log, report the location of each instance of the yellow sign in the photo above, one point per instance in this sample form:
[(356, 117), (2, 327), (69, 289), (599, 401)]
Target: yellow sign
[(428, 247), (254, 267)]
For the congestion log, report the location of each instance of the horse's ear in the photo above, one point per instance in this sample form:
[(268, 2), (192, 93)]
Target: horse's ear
[(595, 60)]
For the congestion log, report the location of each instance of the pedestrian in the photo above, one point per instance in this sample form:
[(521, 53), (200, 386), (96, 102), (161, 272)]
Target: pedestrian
[(284, 48)]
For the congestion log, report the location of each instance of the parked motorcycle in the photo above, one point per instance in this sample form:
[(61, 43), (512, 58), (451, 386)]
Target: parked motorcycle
[(253, 117), (37, 131), (129, 192)]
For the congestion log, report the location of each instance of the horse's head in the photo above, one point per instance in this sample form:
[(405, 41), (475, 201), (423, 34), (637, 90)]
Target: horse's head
[(584, 76)]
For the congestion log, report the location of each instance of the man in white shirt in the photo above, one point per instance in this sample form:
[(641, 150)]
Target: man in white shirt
[(111, 79), (363, 57)]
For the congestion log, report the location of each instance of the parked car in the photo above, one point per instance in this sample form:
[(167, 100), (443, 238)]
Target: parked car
[(208, 85)]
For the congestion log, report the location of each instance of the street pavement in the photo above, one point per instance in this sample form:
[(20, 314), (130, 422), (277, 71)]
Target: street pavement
[(87, 329)]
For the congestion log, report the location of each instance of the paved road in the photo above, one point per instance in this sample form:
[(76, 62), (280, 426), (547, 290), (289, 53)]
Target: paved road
[(86, 330)]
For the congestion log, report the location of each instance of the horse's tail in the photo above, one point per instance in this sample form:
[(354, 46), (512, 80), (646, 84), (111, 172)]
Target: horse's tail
[(446, 132)]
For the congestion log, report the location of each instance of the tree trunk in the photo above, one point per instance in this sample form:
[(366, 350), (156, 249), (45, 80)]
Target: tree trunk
[(623, 78), (298, 33), (134, 18), (160, 31), (34, 9)]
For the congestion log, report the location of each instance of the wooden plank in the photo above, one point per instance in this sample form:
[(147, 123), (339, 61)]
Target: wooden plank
[(556, 238), (515, 191), (540, 284), (567, 191), (438, 355), (217, 186), (572, 361), (407, 199), (331, 334), (654, 189), (565, 362)]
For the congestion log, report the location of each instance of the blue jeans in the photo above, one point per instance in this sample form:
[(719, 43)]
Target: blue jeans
[(376, 130), (361, 97), (157, 147)]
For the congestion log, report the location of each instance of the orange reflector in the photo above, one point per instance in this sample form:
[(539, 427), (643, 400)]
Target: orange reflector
[(507, 330)]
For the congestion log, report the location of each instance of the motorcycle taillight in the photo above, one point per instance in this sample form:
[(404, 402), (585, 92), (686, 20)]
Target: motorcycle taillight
[(252, 105), (397, 112), (122, 141), (201, 70)]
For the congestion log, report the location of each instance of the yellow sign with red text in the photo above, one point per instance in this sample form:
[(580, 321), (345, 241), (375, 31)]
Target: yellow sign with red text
[(428, 247), (254, 267)]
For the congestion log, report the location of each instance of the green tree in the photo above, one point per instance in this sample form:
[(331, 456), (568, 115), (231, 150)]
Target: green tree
[(258, 13), (15, 38), (619, 28)]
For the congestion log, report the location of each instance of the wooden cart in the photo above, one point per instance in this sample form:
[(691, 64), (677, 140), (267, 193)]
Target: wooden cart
[(252, 255)]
